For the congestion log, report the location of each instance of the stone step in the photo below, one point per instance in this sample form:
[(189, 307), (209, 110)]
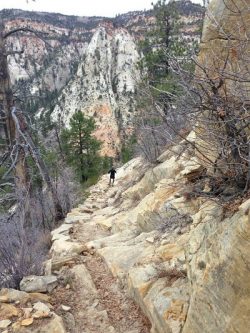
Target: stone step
[(152, 274), (93, 314)]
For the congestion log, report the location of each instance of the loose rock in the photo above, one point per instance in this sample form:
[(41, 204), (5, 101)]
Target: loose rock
[(41, 284), (27, 322), (5, 323), (39, 306), (65, 307), (8, 311), (12, 296)]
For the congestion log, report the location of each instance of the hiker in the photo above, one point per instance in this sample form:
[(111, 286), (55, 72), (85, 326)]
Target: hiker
[(112, 175)]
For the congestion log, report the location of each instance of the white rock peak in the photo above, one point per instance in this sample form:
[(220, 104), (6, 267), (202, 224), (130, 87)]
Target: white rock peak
[(104, 86)]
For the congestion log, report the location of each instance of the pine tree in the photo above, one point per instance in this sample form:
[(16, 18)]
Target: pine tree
[(162, 44), (81, 147)]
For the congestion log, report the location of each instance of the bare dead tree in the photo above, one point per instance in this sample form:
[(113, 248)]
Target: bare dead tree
[(153, 133), (18, 139), (217, 97), (214, 101)]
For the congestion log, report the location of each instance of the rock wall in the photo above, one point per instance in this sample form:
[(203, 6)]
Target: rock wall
[(44, 61), (217, 251), (224, 48)]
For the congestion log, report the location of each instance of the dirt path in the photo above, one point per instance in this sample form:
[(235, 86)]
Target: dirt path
[(123, 313), (98, 303)]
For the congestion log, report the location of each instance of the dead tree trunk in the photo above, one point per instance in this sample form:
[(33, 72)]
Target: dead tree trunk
[(39, 162), (6, 104), (16, 139)]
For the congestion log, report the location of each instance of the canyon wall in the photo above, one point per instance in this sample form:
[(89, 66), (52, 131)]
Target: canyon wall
[(84, 63)]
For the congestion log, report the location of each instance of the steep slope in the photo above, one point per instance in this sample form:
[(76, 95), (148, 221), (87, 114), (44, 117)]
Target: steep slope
[(45, 60), (64, 38), (178, 257)]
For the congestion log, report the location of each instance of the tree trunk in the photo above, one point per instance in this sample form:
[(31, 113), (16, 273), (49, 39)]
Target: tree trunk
[(6, 103), (40, 165), (15, 136)]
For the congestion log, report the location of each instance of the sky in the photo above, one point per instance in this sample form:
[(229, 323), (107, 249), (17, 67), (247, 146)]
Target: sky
[(81, 7)]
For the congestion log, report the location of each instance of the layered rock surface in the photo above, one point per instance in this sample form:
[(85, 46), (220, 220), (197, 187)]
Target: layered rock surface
[(176, 256), (179, 259)]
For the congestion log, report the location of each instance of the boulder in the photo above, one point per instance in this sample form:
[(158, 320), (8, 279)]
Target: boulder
[(52, 325), (58, 262), (27, 322), (62, 248), (13, 295), (34, 297), (40, 284), (62, 232), (39, 306), (192, 170)]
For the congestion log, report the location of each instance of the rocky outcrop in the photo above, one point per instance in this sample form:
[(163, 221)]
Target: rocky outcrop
[(219, 268), (43, 63), (180, 259), (104, 87), (39, 284)]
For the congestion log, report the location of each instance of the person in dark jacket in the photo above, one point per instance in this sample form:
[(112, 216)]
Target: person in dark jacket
[(112, 173)]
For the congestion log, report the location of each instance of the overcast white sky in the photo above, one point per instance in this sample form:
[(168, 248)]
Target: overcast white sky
[(81, 7)]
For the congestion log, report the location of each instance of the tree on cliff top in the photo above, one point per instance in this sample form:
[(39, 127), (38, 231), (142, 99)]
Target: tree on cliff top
[(161, 42), (160, 86)]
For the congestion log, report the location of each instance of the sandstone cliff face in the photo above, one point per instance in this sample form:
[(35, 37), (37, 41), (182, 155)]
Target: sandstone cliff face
[(218, 251), (224, 46), (104, 86)]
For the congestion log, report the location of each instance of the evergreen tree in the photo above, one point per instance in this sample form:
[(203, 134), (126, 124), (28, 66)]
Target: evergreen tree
[(162, 42), (81, 147), (164, 50)]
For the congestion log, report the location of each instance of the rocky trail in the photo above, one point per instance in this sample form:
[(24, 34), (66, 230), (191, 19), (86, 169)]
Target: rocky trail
[(97, 299), (139, 257), (112, 273)]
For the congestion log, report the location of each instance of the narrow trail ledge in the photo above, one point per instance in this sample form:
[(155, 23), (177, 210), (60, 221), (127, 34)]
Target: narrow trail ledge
[(142, 256), (121, 258)]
